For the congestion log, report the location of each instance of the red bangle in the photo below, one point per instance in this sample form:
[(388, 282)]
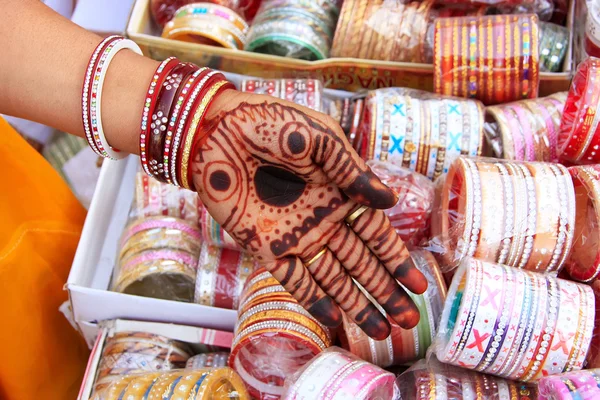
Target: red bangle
[(151, 96)]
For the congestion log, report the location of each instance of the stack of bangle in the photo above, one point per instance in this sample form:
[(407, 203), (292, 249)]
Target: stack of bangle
[(305, 92), (208, 360), (163, 10), (593, 358), (176, 102), (403, 346), (274, 336), (584, 263), (432, 380), (520, 214), (212, 233), (513, 323), (208, 23), (158, 258), (526, 130), (410, 217), (494, 59), (336, 374), (554, 43), (420, 131), (579, 137), (572, 385), (153, 198), (137, 352), (292, 28), (199, 384), (592, 30), (91, 99), (222, 274)]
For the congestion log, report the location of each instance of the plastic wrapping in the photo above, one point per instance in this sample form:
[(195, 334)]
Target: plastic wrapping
[(419, 130), (592, 29), (513, 323), (403, 346), (209, 24), (584, 262), (525, 130), (294, 28), (593, 358), (199, 384), (305, 92), (136, 352), (164, 10), (274, 336), (520, 214), (579, 137), (208, 360), (390, 30), (572, 385), (554, 43), (212, 233), (433, 380), (222, 274), (338, 375), (494, 59), (410, 217)]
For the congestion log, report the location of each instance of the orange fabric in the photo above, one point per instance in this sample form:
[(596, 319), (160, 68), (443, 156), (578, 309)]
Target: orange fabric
[(41, 355)]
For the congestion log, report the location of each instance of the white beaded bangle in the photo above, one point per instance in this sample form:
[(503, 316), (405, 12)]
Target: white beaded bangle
[(95, 105)]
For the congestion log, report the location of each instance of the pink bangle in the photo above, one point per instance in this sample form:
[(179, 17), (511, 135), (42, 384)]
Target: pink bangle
[(527, 133), (518, 138), (161, 222), (179, 256)]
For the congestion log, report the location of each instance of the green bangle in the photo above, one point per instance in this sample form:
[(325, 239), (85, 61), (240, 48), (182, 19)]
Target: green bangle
[(258, 43)]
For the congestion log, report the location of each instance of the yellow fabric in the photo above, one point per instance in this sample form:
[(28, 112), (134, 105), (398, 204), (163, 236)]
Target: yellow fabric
[(41, 355)]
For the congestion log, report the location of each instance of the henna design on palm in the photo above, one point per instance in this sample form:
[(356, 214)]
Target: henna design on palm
[(281, 179)]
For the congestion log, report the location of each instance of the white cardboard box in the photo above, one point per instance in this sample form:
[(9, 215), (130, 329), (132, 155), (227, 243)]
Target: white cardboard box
[(187, 334)]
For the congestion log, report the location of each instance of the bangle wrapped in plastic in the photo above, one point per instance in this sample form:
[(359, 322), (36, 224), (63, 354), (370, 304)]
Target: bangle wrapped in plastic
[(554, 43), (419, 130), (410, 217), (222, 274), (207, 360), (296, 29), (513, 323), (198, 384), (494, 59), (520, 214), (305, 92), (403, 346), (431, 379), (274, 336), (337, 374), (137, 352), (525, 130), (571, 385), (579, 137)]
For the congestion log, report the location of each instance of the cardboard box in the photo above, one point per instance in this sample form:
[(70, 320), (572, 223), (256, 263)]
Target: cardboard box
[(338, 73), (191, 335)]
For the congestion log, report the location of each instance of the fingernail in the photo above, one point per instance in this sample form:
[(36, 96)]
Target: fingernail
[(327, 312), (408, 274)]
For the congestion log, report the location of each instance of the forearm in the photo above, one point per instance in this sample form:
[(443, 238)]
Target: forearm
[(44, 59)]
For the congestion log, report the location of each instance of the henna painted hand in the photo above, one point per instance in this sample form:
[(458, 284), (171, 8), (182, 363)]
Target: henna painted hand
[(281, 179)]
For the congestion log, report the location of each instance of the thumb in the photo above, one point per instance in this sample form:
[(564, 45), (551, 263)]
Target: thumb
[(347, 170)]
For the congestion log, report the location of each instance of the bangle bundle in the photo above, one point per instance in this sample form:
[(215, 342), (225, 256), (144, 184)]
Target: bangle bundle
[(434, 380), (592, 30), (297, 29), (403, 346), (305, 92), (158, 258), (514, 323), (137, 352), (198, 384), (572, 385), (91, 100), (273, 337), (520, 214), (496, 63), (336, 374), (526, 130), (554, 43), (584, 263), (420, 131), (208, 360), (579, 137), (222, 274), (208, 23), (212, 233)]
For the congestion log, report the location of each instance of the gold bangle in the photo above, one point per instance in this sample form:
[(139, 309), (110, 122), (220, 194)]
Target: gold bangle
[(222, 378), (320, 254), (355, 214), (191, 133)]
